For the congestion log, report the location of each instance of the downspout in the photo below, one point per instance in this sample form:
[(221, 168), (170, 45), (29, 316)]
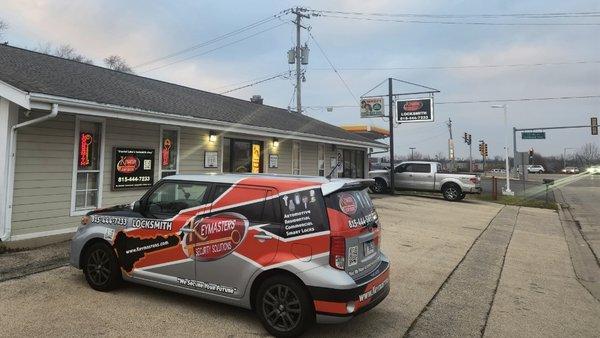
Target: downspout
[(6, 232)]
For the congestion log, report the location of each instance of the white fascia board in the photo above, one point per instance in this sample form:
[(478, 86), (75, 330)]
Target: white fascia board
[(14, 95), (43, 101)]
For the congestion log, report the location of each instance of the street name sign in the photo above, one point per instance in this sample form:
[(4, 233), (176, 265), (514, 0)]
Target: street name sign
[(533, 135)]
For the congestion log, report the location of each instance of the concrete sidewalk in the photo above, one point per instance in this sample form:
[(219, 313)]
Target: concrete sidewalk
[(539, 294)]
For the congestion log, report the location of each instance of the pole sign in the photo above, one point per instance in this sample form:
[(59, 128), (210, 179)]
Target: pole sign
[(133, 168), (533, 135), (417, 110), (372, 107)]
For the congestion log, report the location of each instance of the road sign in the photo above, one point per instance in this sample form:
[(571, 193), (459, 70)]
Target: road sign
[(371, 107), (417, 110), (594, 123), (533, 135)]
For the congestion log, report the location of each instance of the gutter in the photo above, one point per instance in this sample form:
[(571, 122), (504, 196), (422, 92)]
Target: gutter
[(11, 169), (193, 122)]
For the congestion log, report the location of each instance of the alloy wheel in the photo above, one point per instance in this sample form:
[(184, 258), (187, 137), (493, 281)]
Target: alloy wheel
[(98, 267), (281, 308)]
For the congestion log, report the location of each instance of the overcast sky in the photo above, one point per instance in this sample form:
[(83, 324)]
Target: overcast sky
[(142, 31)]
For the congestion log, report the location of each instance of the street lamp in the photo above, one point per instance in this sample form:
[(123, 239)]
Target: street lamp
[(507, 191), (412, 153)]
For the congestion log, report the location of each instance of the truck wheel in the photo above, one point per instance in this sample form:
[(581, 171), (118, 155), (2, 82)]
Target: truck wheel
[(284, 306), (451, 192), (101, 268), (379, 187)]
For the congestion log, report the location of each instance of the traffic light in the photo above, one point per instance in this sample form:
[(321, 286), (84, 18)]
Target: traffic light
[(481, 147), (594, 125), (530, 152), (485, 150), (469, 140)]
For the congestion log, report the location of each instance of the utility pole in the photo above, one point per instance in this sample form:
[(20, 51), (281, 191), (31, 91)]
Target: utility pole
[(412, 153), (391, 118), (467, 138), (450, 145), (298, 55)]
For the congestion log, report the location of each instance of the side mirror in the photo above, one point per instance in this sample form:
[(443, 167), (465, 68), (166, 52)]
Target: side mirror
[(136, 206)]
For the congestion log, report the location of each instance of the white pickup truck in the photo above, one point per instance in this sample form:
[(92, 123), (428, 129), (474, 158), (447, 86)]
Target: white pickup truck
[(427, 176)]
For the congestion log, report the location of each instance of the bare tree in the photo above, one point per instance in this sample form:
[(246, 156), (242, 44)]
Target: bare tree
[(588, 154), (115, 62), (68, 52), (3, 27)]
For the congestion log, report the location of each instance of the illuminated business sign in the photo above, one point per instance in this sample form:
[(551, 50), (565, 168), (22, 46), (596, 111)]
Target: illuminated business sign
[(85, 145), (416, 110), (255, 158)]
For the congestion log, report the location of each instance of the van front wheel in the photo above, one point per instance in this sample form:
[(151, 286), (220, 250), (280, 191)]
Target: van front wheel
[(284, 306)]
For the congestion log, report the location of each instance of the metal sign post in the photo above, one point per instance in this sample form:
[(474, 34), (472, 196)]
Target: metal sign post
[(421, 110)]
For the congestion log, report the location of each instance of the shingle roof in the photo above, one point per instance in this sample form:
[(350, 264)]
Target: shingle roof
[(35, 72)]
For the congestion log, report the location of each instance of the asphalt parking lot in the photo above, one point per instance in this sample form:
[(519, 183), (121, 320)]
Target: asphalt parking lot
[(460, 269)]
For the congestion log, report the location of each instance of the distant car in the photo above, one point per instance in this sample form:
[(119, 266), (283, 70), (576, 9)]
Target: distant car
[(536, 169), (594, 170), (570, 170)]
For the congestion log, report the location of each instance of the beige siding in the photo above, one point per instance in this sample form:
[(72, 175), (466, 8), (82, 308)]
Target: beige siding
[(194, 143), (43, 172), (308, 158), (284, 153)]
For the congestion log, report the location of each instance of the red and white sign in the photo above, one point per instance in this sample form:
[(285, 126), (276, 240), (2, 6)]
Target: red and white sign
[(347, 204)]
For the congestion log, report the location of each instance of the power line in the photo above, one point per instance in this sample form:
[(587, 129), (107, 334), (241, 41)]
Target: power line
[(333, 67), (216, 39), (537, 64), (462, 16), (214, 49), (282, 75), (473, 23), (486, 101), (246, 81)]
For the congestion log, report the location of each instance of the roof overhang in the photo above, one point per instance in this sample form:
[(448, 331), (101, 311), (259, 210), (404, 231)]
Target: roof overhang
[(14, 95), (81, 107)]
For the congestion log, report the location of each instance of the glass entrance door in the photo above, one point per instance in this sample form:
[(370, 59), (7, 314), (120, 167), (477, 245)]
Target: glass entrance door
[(242, 156)]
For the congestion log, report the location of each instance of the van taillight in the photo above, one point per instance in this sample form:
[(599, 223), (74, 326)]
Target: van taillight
[(337, 252)]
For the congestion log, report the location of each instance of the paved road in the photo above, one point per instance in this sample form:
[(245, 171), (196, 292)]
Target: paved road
[(494, 273), (582, 194)]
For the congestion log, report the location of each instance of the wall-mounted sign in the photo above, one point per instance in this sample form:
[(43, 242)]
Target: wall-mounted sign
[(211, 159), (533, 135), (273, 161), (133, 168), (255, 158), (372, 107), (417, 110), (85, 143)]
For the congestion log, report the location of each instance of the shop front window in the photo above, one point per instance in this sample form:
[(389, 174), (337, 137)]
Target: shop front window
[(242, 156), (86, 192), (296, 158), (354, 163), (169, 151)]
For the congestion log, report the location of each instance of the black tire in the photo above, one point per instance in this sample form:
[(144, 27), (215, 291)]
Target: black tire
[(284, 306), (101, 268), (379, 187), (462, 196), (451, 192)]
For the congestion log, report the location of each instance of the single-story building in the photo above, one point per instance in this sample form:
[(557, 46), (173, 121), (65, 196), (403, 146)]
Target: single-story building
[(75, 137)]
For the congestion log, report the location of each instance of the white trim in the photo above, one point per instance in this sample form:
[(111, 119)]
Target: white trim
[(160, 145), (42, 101), (78, 119), (43, 234), (15, 95)]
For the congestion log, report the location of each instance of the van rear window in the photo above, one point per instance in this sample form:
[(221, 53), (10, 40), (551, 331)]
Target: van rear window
[(303, 213), (356, 205)]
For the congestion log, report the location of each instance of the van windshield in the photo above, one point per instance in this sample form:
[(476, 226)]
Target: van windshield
[(356, 205)]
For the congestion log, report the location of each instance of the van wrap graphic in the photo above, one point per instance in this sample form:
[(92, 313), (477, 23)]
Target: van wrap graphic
[(214, 237)]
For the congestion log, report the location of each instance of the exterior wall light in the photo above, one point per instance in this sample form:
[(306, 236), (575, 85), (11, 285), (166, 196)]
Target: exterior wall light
[(275, 143), (212, 137)]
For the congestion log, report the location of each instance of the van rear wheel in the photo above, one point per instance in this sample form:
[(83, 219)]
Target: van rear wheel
[(284, 306)]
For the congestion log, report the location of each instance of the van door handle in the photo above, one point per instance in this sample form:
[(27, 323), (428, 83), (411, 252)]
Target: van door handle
[(262, 236), (187, 230)]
